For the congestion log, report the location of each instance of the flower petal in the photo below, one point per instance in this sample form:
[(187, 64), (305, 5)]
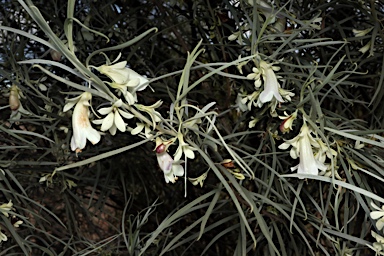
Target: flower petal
[(165, 162), (107, 122), (178, 170), (105, 111), (119, 122), (126, 114), (92, 135), (375, 214)]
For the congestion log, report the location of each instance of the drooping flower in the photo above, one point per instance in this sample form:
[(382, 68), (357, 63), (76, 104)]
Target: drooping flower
[(286, 124), (82, 129), (113, 120), (302, 147), (171, 168), (378, 215), (271, 84)]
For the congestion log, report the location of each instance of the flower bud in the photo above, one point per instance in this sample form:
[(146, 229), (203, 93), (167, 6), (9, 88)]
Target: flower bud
[(14, 98)]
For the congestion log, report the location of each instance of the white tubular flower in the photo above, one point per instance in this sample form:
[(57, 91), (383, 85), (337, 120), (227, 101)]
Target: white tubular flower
[(82, 129), (113, 120), (117, 72), (172, 169), (3, 237), (5, 208), (183, 148), (302, 147), (378, 215), (271, 85), (286, 125)]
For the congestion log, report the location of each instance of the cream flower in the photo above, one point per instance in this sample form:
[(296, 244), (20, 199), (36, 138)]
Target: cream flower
[(117, 72), (184, 148), (377, 246), (172, 169), (378, 215), (199, 180), (113, 120), (5, 208), (286, 94), (287, 123), (82, 129), (365, 48), (150, 110), (359, 33), (302, 147), (324, 151), (256, 75), (251, 99), (133, 84), (16, 221), (140, 127)]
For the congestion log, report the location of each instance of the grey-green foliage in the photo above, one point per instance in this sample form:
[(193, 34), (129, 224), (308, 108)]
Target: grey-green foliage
[(111, 199)]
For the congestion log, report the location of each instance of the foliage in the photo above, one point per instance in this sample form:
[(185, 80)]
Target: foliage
[(191, 127)]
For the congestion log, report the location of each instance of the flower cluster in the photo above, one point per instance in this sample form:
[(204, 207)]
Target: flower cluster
[(125, 80), (312, 152), (272, 91)]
